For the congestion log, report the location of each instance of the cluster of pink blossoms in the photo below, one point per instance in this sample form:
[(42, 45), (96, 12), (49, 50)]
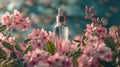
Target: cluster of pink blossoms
[(89, 12), (38, 40), (11, 41), (15, 20), (93, 52), (40, 58), (40, 37), (94, 48), (99, 31), (92, 44)]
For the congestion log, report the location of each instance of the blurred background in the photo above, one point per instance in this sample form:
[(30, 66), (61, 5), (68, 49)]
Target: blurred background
[(43, 12)]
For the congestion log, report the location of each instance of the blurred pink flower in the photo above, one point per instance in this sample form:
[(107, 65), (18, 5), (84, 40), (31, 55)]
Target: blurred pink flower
[(15, 20), (89, 12), (90, 28), (6, 19)]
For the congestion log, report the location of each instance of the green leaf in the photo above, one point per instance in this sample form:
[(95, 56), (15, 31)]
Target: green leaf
[(2, 28), (29, 48), (7, 45), (11, 62), (75, 56), (20, 63), (27, 40), (78, 45), (17, 47), (78, 41), (83, 43), (3, 54), (108, 64), (51, 47), (110, 43)]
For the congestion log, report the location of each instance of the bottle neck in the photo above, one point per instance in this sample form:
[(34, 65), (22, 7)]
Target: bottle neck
[(61, 19)]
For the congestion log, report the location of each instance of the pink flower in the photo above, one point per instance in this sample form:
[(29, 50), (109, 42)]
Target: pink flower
[(61, 61), (82, 61), (108, 57), (20, 22), (44, 35), (6, 19), (15, 20), (26, 24), (35, 33), (51, 36), (113, 35), (39, 38), (86, 9), (89, 30), (94, 20), (91, 8), (11, 40), (89, 12), (23, 46), (35, 56), (17, 14), (65, 47)]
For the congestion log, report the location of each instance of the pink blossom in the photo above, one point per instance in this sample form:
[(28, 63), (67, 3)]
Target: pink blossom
[(39, 37), (96, 49), (89, 30), (82, 61), (17, 15), (23, 46), (51, 36), (89, 12), (113, 35), (6, 19), (15, 20), (61, 61), (94, 20), (34, 57), (44, 36), (65, 47), (11, 40)]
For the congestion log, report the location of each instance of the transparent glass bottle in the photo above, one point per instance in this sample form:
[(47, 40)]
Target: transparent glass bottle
[(61, 29)]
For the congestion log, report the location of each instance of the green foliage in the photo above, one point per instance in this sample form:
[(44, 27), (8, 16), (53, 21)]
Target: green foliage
[(78, 41), (20, 63), (2, 28), (10, 62), (83, 43), (17, 47), (51, 47), (75, 56), (7, 45), (108, 64), (3, 54), (27, 40), (29, 48), (110, 43)]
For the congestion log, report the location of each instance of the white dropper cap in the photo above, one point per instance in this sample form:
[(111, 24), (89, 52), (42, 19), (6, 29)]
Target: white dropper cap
[(60, 17), (60, 12)]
